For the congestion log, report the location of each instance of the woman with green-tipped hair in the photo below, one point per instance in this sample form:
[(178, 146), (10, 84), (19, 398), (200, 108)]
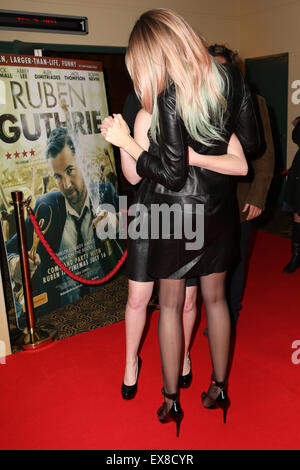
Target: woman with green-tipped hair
[(196, 124)]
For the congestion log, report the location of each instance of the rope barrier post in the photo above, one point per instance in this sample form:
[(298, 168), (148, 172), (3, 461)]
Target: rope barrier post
[(36, 336)]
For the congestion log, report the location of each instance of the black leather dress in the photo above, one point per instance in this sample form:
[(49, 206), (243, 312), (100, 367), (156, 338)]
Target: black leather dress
[(168, 179)]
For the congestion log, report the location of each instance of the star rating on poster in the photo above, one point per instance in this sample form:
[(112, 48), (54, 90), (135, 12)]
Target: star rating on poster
[(19, 155)]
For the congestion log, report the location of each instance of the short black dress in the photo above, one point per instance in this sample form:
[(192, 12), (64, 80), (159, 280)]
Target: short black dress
[(169, 180)]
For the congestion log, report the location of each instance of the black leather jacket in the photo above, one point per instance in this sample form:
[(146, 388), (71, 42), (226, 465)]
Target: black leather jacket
[(168, 167)]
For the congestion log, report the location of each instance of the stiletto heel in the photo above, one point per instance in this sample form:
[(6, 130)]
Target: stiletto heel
[(129, 391), (221, 401), (175, 413)]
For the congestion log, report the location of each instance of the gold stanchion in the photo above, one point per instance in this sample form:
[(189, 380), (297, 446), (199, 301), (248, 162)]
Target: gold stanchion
[(35, 336)]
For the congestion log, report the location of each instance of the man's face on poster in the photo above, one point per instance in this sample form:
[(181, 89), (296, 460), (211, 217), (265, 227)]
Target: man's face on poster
[(68, 177)]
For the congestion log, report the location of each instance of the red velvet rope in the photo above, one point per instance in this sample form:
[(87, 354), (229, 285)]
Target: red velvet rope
[(62, 266), (284, 172)]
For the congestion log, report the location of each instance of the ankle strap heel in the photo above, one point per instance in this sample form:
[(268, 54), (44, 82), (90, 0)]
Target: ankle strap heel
[(215, 382), (171, 396), (175, 413), (221, 401), (221, 386)]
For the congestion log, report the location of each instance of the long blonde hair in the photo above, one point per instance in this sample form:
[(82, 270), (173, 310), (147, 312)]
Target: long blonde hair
[(163, 49)]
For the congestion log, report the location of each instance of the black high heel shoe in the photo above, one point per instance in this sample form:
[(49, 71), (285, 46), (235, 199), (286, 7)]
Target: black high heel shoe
[(129, 391), (185, 380), (222, 401), (175, 413)]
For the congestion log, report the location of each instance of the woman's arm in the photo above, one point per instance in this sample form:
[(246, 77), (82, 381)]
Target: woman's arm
[(141, 125), (231, 163), (116, 132), (170, 167)]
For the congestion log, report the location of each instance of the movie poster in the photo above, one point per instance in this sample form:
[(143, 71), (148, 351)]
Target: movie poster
[(52, 150)]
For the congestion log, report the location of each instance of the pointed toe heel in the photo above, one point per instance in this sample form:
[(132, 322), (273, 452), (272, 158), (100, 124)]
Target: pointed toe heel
[(129, 391), (185, 380)]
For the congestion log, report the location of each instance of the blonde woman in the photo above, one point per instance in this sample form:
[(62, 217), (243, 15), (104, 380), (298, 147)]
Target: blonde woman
[(195, 108)]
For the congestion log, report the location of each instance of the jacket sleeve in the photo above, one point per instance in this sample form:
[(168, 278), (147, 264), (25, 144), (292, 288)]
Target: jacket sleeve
[(170, 167), (247, 128), (296, 134), (263, 167)]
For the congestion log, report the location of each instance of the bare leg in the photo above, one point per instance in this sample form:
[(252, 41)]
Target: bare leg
[(188, 319), (218, 322), (171, 299), (139, 294)]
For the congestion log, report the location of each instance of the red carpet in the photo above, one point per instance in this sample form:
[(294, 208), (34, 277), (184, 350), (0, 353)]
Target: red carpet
[(67, 396)]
